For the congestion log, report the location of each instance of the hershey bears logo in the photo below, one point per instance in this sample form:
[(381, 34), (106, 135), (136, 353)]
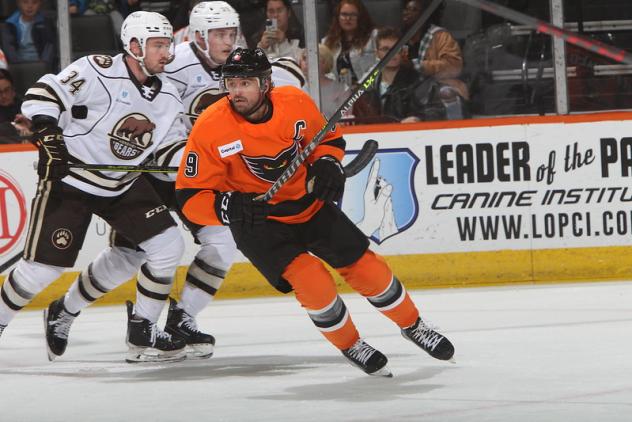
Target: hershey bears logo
[(131, 136), (202, 101), (270, 168), (103, 61), (61, 238)]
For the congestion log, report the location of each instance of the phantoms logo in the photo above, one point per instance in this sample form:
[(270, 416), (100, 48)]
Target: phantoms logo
[(12, 213)]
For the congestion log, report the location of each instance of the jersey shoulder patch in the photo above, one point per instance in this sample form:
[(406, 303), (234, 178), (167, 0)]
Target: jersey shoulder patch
[(102, 60)]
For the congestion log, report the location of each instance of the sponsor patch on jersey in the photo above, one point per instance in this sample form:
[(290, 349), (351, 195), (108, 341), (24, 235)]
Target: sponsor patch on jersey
[(230, 149), (102, 61), (271, 168)]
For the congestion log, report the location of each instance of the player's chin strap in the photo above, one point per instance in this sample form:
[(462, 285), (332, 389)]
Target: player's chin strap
[(212, 63), (141, 62)]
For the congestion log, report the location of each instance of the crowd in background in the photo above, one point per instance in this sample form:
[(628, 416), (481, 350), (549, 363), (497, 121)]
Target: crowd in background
[(437, 75)]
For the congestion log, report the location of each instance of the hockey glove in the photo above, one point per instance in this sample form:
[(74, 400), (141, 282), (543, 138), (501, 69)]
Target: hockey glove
[(53, 155), (240, 208), (326, 179)]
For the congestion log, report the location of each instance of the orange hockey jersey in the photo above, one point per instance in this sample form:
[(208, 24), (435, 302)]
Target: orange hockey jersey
[(225, 152)]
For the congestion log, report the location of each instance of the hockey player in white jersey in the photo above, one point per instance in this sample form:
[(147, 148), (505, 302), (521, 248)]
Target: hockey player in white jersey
[(196, 73), (103, 110), (196, 70)]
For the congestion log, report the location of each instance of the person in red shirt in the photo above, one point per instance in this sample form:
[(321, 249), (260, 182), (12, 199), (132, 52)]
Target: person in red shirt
[(237, 149)]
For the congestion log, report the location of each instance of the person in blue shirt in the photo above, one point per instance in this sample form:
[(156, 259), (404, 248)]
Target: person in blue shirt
[(28, 36)]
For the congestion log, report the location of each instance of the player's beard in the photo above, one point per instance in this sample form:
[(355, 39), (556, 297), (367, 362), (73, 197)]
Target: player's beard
[(245, 110), (156, 68)]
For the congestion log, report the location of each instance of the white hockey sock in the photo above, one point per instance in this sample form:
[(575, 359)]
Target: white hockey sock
[(22, 284), (193, 300), (74, 301), (148, 308), (6, 314), (163, 252)]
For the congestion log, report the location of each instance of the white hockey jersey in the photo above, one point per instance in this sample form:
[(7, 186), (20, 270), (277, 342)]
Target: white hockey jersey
[(199, 85), (108, 117)]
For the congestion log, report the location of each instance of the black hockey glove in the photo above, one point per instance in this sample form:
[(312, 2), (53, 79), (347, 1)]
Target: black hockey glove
[(326, 178), (53, 155), (240, 208)]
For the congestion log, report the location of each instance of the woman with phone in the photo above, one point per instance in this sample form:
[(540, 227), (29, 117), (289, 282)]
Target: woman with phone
[(351, 38), (282, 35)]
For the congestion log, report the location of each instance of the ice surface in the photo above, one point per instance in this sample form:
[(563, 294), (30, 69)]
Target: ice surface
[(541, 353)]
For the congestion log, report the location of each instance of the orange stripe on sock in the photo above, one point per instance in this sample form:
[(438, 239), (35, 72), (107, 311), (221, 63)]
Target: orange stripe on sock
[(343, 337), (315, 289), (405, 314), (371, 276)]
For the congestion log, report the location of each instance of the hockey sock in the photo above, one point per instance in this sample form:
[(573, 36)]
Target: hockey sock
[(14, 298), (22, 284), (112, 267), (151, 294), (315, 290), (372, 278), (208, 270), (163, 252), (202, 282)]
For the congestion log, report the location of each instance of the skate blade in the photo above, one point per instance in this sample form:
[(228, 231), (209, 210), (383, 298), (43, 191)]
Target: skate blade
[(199, 351), (151, 355), (51, 356), (452, 360), (383, 372)]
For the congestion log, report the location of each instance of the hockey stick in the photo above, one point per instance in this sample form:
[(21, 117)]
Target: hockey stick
[(124, 168), (616, 54), (366, 154), (9, 262), (363, 86), (355, 166)]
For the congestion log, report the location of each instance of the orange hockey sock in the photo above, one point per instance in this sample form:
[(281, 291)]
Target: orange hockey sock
[(372, 278), (316, 291)]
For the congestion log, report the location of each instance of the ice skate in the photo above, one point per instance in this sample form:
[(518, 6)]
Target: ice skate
[(181, 325), (370, 360), (148, 343), (57, 322), (435, 344)]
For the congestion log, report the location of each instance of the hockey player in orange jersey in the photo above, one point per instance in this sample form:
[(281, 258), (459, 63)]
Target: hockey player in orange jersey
[(237, 149)]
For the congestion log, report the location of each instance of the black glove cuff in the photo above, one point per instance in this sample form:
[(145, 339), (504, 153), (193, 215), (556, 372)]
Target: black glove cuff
[(42, 121), (333, 160)]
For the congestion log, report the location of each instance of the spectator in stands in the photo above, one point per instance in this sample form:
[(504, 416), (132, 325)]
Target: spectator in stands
[(3, 61), (282, 34), (351, 38), (13, 125), (28, 36), (117, 9), (332, 92), (390, 99), (434, 52)]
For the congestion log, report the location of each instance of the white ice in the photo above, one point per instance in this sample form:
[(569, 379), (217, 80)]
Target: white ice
[(540, 353)]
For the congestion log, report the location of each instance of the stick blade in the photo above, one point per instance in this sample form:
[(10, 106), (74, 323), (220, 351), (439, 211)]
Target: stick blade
[(364, 157)]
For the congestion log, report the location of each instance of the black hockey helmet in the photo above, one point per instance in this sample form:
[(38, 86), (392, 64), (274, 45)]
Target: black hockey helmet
[(247, 63)]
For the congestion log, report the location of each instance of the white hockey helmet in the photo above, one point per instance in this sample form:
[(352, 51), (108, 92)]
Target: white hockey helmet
[(211, 15), (141, 26)]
